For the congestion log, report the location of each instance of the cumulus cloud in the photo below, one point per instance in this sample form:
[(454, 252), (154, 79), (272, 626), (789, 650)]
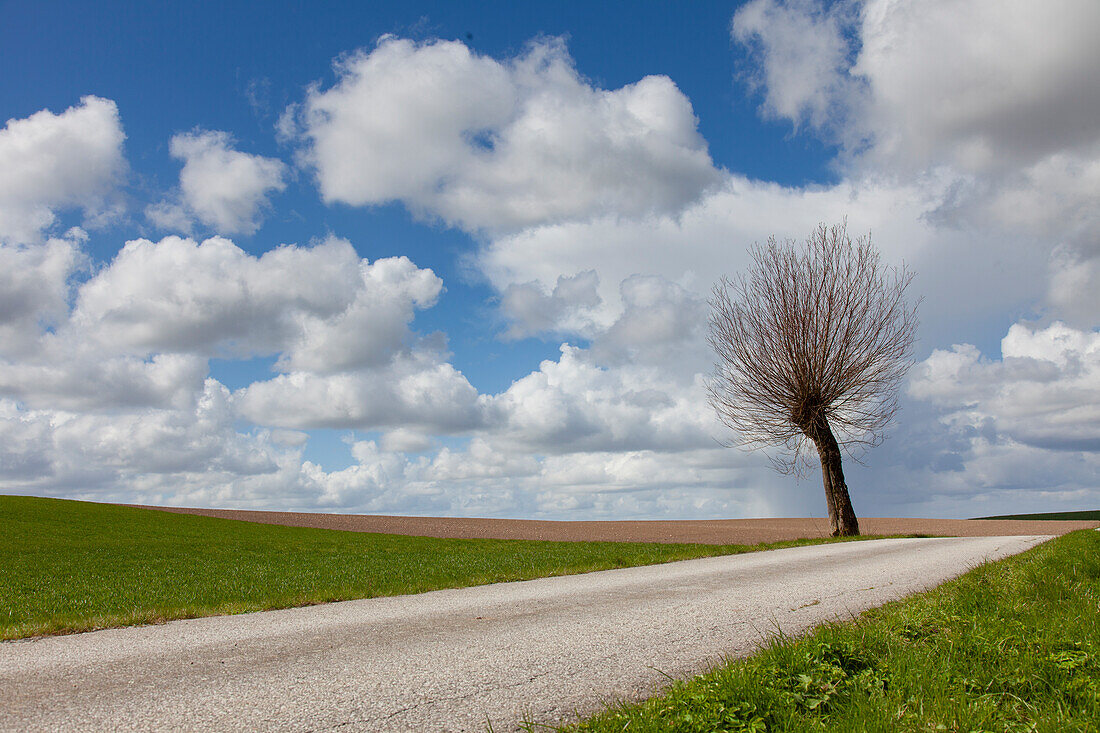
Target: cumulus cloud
[(979, 85), (339, 326), (982, 433), (406, 440), (1074, 287), (982, 84), (977, 89), (123, 453), (416, 390), (34, 288), (661, 323), (51, 162), (112, 399), (481, 480), (924, 198), (212, 298), (26, 445), (77, 378), (373, 327), (531, 310), (710, 238), (804, 55), (142, 328), (930, 468), (223, 188), (1055, 199), (575, 405), (1043, 392), (572, 436), (490, 145)]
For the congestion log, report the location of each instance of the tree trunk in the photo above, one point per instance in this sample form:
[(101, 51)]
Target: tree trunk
[(841, 515)]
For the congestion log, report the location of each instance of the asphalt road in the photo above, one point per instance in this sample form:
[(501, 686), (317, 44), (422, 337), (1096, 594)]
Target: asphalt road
[(539, 650)]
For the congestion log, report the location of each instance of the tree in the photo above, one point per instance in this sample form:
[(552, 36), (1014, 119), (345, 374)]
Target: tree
[(812, 345)]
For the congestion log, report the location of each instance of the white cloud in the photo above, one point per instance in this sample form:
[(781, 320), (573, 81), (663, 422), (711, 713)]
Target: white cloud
[(223, 188), (34, 289), (1054, 197), (212, 298), (1000, 95), (413, 390), (979, 233), (75, 377), (50, 162), (170, 215), (804, 57), (574, 405), (141, 329), (1074, 288), (482, 480), (406, 440), (25, 445), (622, 425), (490, 145), (932, 469), (707, 238), (1044, 392), (375, 324), (955, 220), (339, 325), (661, 323), (532, 310), (982, 85), (710, 238), (113, 401), (572, 436), (115, 454)]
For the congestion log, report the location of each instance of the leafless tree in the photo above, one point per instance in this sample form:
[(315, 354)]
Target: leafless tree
[(813, 343)]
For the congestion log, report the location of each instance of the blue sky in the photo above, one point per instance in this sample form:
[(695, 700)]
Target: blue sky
[(565, 182)]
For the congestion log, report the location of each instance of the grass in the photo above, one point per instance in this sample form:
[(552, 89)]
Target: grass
[(1011, 646), (1085, 515), (68, 566)]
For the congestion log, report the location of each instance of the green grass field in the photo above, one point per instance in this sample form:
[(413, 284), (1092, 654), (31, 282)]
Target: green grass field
[(1084, 516), (1010, 646), (74, 566)]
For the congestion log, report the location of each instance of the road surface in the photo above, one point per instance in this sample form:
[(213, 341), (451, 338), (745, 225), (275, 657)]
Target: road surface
[(454, 660)]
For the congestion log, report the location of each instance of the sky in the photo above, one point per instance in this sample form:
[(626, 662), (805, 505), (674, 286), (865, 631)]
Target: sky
[(454, 259)]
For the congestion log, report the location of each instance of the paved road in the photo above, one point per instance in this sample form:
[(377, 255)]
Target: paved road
[(455, 659)]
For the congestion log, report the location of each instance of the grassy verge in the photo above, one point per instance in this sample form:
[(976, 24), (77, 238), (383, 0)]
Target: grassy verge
[(70, 566), (1011, 646)]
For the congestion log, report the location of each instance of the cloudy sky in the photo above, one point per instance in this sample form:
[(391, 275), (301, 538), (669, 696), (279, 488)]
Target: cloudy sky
[(427, 259)]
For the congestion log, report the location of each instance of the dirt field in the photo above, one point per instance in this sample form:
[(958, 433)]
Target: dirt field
[(705, 531)]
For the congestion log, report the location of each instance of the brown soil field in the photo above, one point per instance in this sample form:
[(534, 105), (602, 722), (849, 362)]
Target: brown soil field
[(703, 531)]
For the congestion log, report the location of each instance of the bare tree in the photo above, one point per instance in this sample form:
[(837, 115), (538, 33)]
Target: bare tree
[(813, 343)]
